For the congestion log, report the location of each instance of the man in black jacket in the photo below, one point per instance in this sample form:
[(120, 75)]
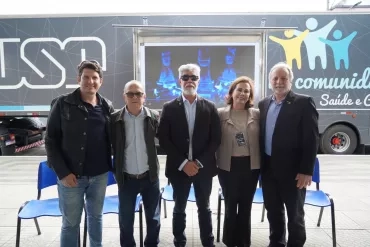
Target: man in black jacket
[(190, 133), (134, 129), (289, 143), (78, 149)]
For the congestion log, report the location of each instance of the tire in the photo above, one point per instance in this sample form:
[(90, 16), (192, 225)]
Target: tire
[(338, 139)]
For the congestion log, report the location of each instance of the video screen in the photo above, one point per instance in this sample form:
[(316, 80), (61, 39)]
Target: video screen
[(219, 65)]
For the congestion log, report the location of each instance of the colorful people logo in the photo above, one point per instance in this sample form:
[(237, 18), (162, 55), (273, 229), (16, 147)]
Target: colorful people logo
[(291, 46), (316, 41), (340, 47)]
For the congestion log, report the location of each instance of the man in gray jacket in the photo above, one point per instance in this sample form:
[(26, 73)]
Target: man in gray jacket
[(134, 129)]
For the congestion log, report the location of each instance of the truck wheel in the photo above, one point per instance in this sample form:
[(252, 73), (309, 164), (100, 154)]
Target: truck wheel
[(338, 139)]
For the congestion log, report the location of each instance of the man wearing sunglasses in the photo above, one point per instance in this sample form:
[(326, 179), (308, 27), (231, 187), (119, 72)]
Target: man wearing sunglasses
[(134, 129), (78, 148), (190, 133)]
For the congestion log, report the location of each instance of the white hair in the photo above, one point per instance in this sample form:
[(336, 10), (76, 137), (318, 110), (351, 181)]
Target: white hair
[(133, 82), (282, 65), (194, 68)]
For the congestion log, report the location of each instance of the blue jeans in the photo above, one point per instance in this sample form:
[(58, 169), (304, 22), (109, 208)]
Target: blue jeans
[(71, 203), (150, 193)]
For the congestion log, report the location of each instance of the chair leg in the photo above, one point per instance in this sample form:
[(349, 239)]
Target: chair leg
[(18, 236), (37, 226), (141, 226), (165, 208), (218, 218), (320, 216), (334, 234), (263, 212), (84, 243)]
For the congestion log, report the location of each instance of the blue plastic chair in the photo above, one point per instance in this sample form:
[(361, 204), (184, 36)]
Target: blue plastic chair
[(258, 199), (319, 198), (110, 206), (38, 208), (167, 195)]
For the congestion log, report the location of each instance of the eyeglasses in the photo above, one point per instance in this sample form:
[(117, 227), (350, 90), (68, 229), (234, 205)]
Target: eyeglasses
[(187, 77), (132, 94)]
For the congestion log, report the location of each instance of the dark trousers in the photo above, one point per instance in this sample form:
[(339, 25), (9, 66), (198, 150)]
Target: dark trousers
[(150, 193), (202, 188), (278, 192), (238, 187)]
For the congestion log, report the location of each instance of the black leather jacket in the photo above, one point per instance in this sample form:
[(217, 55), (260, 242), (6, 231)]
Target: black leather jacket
[(65, 138)]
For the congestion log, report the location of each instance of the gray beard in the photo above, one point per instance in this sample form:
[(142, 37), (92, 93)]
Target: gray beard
[(190, 92)]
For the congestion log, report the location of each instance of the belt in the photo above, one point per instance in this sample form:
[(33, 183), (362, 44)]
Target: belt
[(137, 176)]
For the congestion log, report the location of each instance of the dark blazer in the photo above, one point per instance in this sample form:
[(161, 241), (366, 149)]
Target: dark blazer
[(119, 140), (173, 135), (296, 135)]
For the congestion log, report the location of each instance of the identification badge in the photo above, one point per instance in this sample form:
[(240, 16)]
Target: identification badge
[(240, 139)]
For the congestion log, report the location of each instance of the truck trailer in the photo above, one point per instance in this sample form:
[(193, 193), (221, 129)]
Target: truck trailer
[(328, 52)]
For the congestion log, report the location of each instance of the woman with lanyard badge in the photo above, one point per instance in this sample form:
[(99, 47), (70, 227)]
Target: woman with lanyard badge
[(238, 160)]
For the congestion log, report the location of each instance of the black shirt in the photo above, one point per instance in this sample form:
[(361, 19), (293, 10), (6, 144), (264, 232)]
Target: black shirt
[(97, 143)]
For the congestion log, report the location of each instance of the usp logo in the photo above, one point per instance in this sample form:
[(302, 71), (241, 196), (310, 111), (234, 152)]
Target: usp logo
[(316, 42)]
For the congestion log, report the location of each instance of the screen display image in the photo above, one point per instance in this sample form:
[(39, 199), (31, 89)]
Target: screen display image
[(219, 65)]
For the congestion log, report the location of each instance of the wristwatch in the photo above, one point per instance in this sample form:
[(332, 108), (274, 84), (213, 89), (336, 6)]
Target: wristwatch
[(198, 164)]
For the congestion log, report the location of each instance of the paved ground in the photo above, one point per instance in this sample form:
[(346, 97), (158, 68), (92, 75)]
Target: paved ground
[(346, 178)]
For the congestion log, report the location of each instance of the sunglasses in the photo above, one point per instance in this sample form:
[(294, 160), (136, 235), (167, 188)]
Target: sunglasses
[(132, 94), (187, 77)]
